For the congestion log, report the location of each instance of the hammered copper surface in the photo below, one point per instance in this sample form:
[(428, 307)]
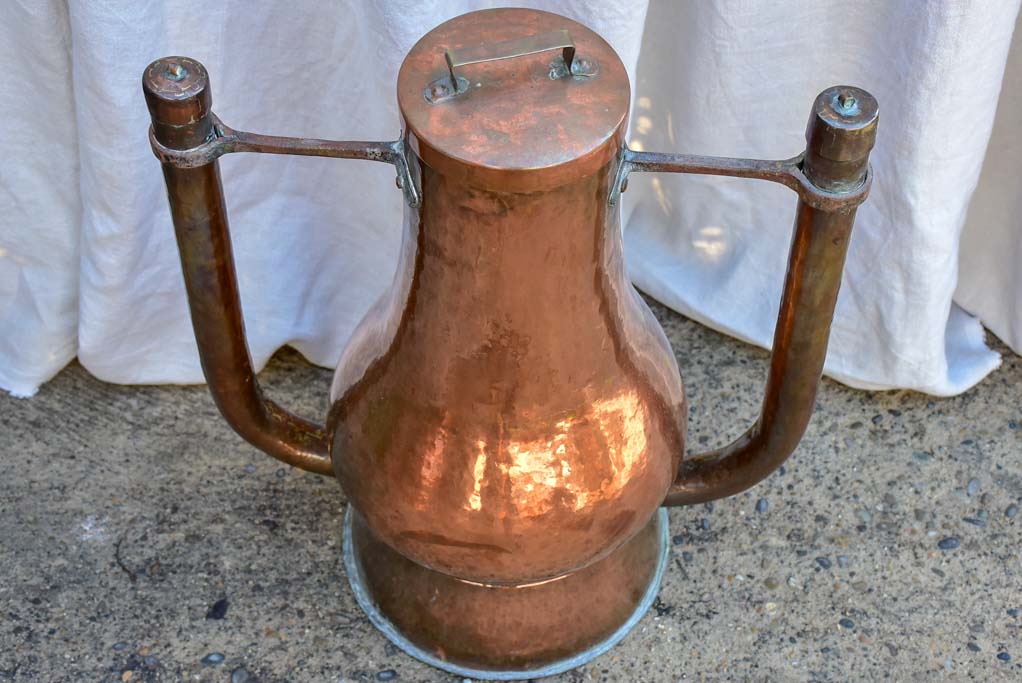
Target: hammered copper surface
[(508, 627), (493, 431)]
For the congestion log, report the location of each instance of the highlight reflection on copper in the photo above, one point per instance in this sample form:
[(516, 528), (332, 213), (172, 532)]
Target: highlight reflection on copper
[(475, 501), (431, 468), (539, 475)]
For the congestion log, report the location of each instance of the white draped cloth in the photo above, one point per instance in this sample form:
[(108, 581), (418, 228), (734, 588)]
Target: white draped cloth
[(88, 264)]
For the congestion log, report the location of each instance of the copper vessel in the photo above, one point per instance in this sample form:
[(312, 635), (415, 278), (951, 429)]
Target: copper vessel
[(508, 420)]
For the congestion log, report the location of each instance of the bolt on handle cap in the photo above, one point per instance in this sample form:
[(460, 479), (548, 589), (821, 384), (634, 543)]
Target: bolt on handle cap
[(178, 96), (841, 132)]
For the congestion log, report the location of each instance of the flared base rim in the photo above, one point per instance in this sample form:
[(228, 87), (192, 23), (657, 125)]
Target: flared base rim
[(362, 595)]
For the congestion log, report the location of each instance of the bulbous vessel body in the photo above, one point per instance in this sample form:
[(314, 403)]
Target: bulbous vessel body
[(510, 410)]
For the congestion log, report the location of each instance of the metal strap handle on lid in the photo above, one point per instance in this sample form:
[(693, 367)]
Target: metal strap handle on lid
[(443, 89), (509, 49)]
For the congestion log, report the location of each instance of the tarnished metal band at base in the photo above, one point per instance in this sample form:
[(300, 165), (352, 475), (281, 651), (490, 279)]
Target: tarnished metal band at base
[(362, 594)]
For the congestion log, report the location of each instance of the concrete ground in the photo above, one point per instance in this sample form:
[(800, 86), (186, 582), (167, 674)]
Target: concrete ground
[(141, 540)]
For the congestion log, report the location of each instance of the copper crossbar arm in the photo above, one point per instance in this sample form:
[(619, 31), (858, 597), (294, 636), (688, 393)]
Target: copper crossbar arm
[(787, 172), (225, 140)]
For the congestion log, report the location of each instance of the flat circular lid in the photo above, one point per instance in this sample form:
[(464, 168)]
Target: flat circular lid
[(514, 99)]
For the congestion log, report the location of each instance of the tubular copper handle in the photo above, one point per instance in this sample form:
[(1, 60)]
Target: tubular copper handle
[(188, 139), (835, 179)]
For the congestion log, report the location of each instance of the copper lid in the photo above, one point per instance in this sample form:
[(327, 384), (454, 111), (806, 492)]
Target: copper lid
[(488, 97)]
